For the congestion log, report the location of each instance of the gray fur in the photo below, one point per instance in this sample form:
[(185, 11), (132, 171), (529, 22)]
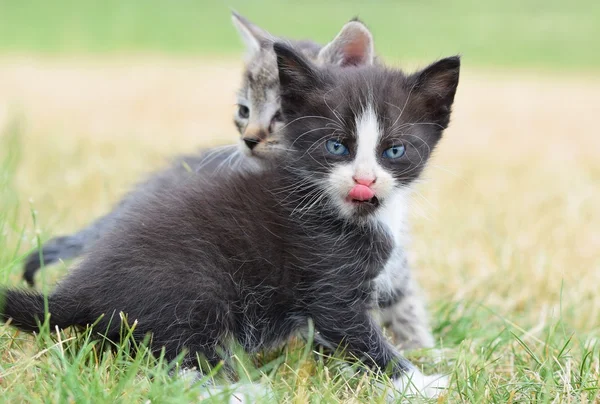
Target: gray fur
[(404, 312), (73, 246)]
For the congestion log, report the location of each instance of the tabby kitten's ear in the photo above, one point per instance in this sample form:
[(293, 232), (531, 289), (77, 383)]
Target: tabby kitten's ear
[(434, 87), (353, 46), (253, 36), (297, 76)]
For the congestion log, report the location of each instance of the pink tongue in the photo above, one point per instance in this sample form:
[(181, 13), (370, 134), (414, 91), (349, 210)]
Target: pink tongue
[(361, 193)]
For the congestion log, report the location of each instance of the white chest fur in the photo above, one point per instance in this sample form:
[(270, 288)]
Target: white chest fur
[(393, 216)]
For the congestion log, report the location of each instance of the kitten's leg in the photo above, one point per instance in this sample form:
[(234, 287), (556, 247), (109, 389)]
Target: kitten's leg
[(401, 305), (404, 313), (361, 336), (205, 334)]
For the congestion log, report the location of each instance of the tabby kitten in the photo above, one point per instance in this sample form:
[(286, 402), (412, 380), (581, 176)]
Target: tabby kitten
[(313, 240)]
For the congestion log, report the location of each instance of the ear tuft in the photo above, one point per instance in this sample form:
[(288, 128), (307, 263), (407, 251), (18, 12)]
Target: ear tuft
[(353, 46), (254, 37)]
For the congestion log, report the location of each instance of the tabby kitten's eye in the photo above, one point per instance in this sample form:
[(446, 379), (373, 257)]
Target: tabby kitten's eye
[(394, 152), (243, 111), (335, 147), (278, 117)]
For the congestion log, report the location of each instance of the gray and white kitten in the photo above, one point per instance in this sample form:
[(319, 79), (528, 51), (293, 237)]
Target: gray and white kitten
[(253, 256), (259, 119)]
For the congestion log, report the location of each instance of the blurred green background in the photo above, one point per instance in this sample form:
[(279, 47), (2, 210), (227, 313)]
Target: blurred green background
[(553, 34)]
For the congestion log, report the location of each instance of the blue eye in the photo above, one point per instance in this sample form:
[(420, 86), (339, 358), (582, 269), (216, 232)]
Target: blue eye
[(337, 148), (394, 152)]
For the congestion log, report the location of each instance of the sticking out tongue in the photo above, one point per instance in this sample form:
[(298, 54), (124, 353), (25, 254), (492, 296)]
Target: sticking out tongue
[(361, 193)]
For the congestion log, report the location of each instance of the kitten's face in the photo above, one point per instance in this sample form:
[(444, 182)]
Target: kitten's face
[(363, 134), (258, 115)]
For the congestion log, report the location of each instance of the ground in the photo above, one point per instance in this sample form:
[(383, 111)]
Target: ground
[(506, 227)]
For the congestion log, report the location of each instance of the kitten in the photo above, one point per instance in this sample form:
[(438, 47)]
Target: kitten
[(254, 255), (258, 119), (401, 306)]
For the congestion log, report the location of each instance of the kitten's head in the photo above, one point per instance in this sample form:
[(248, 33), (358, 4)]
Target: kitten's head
[(258, 115), (362, 134)]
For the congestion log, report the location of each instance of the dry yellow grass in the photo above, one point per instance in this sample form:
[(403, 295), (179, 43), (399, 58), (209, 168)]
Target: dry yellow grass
[(507, 216)]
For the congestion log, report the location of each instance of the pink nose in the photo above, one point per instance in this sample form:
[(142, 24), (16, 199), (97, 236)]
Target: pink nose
[(366, 181)]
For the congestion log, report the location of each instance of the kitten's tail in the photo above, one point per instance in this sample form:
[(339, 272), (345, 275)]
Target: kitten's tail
[(26, 309)]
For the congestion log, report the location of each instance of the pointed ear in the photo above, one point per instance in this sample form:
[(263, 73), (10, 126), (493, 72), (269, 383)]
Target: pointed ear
[(253, 36), (353, 46), (436, 86), (295, 72)]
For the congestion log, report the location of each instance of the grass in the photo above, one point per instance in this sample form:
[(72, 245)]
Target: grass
[(540, 34)]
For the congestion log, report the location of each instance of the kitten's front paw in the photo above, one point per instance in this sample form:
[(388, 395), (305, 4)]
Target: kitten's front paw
[(415, 383)]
